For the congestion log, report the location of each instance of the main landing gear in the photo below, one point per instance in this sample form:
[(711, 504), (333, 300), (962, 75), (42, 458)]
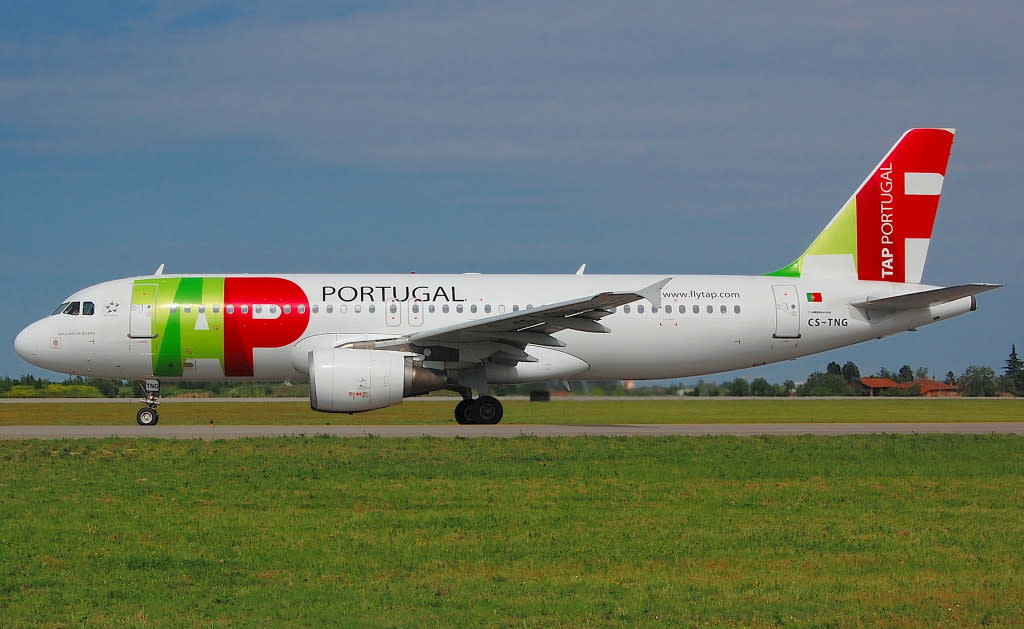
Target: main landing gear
[(483, 410), (149, 416)]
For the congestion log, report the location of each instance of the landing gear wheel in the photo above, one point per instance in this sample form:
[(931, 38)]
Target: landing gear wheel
[(461, 414), (147, 416), (488, 410)]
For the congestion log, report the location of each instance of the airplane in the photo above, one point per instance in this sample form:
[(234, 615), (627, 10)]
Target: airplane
[(365, 342)]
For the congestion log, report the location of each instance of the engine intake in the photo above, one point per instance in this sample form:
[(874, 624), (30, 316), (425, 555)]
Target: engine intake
[(355, 380)]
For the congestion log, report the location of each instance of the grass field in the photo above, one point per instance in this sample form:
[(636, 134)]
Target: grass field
[(523, 412), (901, 531)]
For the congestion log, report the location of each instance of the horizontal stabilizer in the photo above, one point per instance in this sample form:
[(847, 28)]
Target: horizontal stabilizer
[(925, 299)]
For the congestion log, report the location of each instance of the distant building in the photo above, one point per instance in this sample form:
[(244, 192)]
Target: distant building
[(929, 388)]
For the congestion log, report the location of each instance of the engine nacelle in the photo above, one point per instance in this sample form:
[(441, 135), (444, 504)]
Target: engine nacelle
[(354, 380)]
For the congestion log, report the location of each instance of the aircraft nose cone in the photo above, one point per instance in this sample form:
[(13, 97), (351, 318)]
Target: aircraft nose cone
[(26, 346)]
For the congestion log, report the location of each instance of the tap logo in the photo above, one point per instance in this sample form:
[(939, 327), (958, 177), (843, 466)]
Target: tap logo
[(220, 318)]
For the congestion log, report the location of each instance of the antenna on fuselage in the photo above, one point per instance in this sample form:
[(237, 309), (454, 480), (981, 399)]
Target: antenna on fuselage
[(159, 270)]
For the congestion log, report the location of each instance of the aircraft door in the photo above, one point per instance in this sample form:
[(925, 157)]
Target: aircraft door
[(415, 316), (140, 320), (394, 313), (787, 312)]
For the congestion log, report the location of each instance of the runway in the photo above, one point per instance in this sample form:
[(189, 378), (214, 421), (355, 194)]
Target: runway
[(209, 432)]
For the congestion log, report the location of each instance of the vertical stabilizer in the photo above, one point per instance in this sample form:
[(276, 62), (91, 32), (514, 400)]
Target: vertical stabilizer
[(882, 232)]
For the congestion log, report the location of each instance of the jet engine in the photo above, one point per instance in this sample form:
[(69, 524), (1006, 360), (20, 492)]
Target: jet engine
[(354, 380)]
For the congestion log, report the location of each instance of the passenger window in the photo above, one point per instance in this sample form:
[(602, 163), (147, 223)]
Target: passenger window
[(515, 307), (216, 309), (287, 308), (256, 309), (626, 309), (358, 308), (736, 309), (188, 309), (230, 309), (487, 308), (501, 309), (696, 309), (302, 309), (372, 308), (458, 308), (444, 308), (723, 309), (272, 309), (245, 308), (316, 308), (654, 309), (431, 308), (640, 309), (668, 309), (392, 308), (343, 308), (174, 308), (529, 306), (415, 308), (88, 308), (330, 308), (711, 309), (473, 308)]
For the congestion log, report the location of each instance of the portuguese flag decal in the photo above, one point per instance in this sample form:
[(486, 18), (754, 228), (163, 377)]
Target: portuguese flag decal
[(814, 297)]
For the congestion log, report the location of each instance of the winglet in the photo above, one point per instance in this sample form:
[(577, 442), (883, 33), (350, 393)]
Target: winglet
[(583, 267), (653, 292), (159, 270)]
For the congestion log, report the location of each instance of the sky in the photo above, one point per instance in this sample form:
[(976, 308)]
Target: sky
[(527, 137)]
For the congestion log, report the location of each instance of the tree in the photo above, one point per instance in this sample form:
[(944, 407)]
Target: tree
[(1014, 371), (738, 388), (885, 373), (950, 378), (850, 371), (761, 388), (833, 369), (921, 373), (978, 381), (906, 374), (788, 387), (824, 384)]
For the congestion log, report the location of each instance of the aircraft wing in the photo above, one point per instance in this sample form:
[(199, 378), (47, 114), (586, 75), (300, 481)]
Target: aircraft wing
[(530, 326), (925, 299)]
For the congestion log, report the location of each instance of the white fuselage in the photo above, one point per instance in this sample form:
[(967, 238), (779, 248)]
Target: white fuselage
[(706, 323)]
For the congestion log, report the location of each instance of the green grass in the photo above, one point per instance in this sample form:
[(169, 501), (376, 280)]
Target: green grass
[(907, 531), (522, 412)]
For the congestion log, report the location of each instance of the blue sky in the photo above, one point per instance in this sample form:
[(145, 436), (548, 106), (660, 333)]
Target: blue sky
[(525, 137)]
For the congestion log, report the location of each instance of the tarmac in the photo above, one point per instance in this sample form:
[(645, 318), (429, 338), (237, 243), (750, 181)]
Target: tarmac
[(216, 431)]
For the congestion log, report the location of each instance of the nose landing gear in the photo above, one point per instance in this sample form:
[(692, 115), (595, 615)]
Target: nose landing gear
[(149, 416)]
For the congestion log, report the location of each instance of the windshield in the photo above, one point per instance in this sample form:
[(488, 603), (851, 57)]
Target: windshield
[(59, 309)]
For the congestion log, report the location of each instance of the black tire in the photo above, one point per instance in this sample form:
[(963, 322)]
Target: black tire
[(461, 412), (147, 416), (486, 410)]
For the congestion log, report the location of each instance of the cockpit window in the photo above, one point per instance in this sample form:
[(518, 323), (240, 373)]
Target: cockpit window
[(88, 308), (73, 308), (59, 309)]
